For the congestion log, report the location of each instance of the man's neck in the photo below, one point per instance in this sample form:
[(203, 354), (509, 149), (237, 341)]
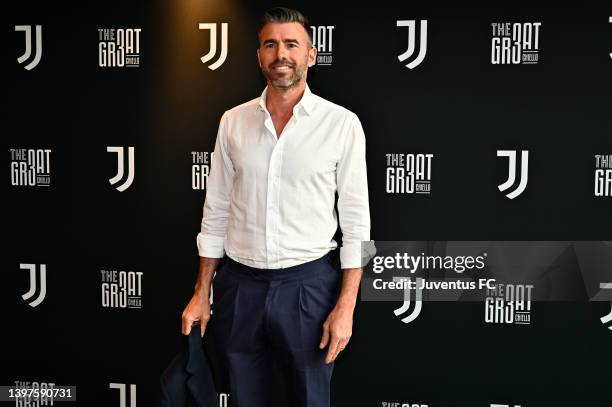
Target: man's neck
[(280, 102)]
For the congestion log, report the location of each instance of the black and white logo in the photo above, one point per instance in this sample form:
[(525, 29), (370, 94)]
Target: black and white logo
[(121, 289), (512, 171), (201, 162), (223, 399), (212, 51), (36, 283), (119, 47), (408, 173), (30, 167), (123, 396), (27, 29), (509, 304), (607, 319), (515, 43), (412, 24), (603, 175), (418, 300), (322, 40), (121, 167)]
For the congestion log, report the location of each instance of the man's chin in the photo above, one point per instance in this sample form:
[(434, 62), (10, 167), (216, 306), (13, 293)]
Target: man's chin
[(283, 84)]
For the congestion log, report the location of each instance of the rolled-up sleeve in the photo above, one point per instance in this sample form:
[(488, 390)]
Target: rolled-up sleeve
[(353, 201), (217, 203)]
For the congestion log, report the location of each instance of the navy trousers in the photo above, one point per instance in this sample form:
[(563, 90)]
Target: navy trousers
[(261, 314)]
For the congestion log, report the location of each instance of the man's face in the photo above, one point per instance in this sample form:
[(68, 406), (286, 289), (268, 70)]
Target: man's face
[(284, 55)]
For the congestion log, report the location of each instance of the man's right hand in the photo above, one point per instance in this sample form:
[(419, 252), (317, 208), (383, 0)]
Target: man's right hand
[(198, 310)]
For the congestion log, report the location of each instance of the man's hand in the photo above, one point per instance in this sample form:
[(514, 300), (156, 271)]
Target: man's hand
[(337, 330), (198, 310), (338, 326)]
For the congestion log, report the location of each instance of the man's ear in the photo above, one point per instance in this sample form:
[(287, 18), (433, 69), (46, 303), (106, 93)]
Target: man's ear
[(258, 60), (312, 56)]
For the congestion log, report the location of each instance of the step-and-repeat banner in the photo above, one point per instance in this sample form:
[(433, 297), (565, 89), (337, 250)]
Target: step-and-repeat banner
[(489, 153)]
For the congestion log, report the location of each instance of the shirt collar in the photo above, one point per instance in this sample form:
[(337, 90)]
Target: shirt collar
[(306, 103)]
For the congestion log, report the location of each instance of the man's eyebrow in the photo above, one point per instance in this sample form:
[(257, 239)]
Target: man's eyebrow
[(286, 41)]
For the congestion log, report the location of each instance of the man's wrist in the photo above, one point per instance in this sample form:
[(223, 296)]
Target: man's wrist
[(202, 288), (346, 301)]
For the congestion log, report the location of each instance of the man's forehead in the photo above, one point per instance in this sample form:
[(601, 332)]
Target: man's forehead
[(282, 31)]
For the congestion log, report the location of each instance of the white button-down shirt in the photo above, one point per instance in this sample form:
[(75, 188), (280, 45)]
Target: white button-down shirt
[(270, 199)]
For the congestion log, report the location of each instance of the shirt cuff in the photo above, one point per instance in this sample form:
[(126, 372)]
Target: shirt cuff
[(357, 255), (350, 256), (210, 246)]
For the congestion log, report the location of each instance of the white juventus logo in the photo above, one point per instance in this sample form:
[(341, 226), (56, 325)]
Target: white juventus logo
[(411, 24), (33, 285), (607, 318), (418, 303), (213, 44), (122, 395), (511, 154), (28, 45), (120, 167)]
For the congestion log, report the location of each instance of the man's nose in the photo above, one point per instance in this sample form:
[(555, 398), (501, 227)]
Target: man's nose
[(281, 51)]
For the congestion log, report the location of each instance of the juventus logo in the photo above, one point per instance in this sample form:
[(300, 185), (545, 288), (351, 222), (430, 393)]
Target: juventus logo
[(28, 45), (33, 285), (511, 154), (213, 44), (122, 395), (120, 167), (411, 24), (418, 303), (606, 318)]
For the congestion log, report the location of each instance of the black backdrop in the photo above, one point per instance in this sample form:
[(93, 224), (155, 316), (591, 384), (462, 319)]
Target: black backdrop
[(456, 105)]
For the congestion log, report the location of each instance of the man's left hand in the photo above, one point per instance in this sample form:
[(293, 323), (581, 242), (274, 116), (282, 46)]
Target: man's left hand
[(337, 330)]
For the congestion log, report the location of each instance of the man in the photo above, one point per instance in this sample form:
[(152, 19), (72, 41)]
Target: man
[(279, 160)]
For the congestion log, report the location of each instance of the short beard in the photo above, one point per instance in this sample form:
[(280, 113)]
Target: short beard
[(286, 84)]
